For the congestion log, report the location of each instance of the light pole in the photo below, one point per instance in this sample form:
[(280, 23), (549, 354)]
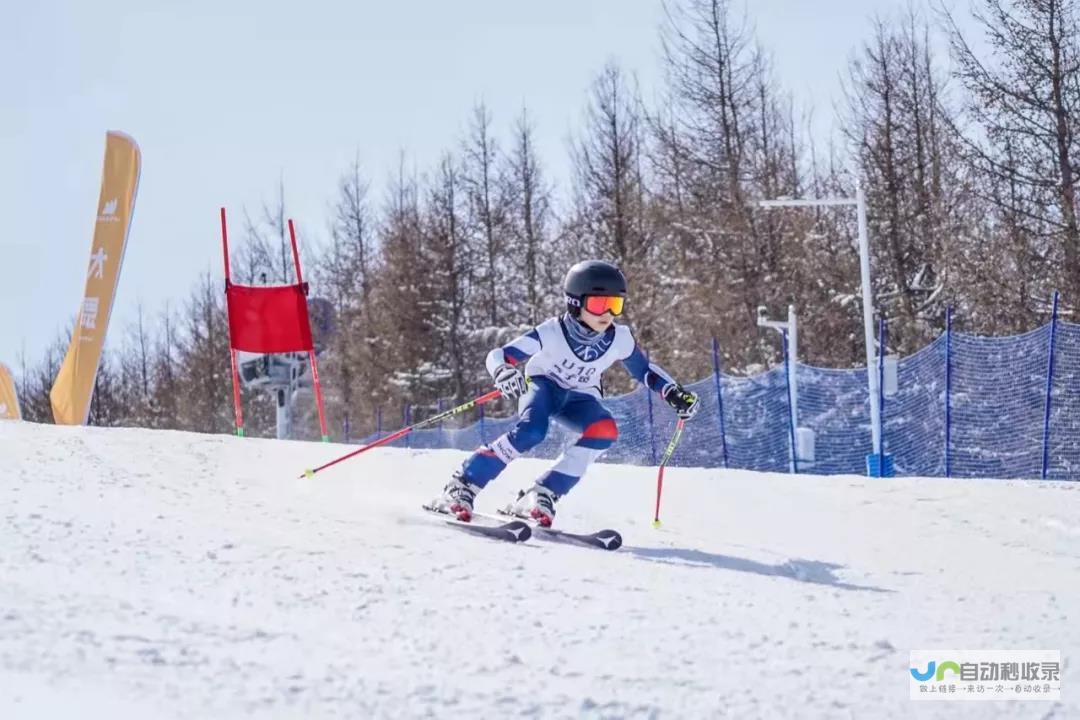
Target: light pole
[(859, 202), (790, 328)]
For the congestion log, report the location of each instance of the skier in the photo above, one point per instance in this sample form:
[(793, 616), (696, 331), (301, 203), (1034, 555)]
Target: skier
[(566, 356)]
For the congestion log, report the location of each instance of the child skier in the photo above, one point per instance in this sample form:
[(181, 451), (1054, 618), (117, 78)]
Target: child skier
[(566, 357)]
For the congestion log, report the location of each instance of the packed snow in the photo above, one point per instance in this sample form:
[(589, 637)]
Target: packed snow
[(174, 575)]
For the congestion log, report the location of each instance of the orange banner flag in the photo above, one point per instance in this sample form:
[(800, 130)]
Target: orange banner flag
[(71, 393), (9, 401)]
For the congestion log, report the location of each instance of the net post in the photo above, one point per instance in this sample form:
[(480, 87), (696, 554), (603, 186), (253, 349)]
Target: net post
[(719, 399), (948, 391), (1049, 389), (791, 408)]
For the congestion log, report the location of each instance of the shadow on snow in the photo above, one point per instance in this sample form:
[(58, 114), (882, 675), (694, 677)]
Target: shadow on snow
[(807, 571)]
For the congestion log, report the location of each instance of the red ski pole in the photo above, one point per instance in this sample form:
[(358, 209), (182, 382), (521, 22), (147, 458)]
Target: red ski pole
[(663, 462), (405, 431)]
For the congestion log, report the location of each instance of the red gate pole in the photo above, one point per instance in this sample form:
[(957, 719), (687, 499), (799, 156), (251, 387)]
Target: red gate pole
[(311, 353), (318, 395), (232, 353), (295, 253)]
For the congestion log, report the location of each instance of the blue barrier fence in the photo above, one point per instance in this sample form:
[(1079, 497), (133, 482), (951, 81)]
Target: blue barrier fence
[(964, 406)]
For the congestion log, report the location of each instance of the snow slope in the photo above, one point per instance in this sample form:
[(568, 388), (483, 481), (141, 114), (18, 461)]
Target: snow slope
[(161, 574)]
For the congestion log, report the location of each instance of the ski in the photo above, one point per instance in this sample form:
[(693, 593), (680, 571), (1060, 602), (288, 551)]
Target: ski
[(606, 539), (514, 531)]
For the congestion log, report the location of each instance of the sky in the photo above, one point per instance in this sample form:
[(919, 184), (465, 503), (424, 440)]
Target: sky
[(226, 98)]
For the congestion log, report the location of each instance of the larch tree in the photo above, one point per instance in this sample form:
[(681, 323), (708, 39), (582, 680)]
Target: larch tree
[(609, 218), (916, 180), (1023, 98), (535, 271), (486, 229), (344, 274), (448, 260), (726, 140)]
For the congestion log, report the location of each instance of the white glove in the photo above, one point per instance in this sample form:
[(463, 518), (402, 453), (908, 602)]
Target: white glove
[(509, 381)]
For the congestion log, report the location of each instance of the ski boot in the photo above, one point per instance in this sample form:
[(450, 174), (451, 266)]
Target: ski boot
[(537, 503), (457, 497)]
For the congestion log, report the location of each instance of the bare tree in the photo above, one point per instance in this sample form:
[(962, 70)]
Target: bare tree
[(203, 362), (529, 219), (917, 181), (37, 380), (487, 215), (166, 380), (345, 274), (724, 138), (447, 260), (399, 336), (1024, 99), (354, 242), (265, 256)]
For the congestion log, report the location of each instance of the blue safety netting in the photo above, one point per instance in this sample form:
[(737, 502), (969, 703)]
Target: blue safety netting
[(913, 419), (833, 403), (998, 401), (1063, 451), (965, 406)]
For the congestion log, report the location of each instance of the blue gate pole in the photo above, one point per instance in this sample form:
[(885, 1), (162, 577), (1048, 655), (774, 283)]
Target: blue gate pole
[(652, 433), (483, 439), (1049, 388), (948, 391), (719, 398), (791, 410), (442, 428), (408, 422)]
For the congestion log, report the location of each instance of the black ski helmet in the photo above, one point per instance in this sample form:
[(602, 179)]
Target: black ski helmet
[(591, 277)]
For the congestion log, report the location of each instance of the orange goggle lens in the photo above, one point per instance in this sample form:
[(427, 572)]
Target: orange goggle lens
[(600, 304)]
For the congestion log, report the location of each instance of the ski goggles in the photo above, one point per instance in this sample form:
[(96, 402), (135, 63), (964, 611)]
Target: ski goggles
[(600, 304)]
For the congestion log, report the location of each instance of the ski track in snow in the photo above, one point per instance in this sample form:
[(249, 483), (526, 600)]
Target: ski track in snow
[(152, 574)]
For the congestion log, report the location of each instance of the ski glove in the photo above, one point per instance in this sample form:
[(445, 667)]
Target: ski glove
[(509, 381), (685, 402)]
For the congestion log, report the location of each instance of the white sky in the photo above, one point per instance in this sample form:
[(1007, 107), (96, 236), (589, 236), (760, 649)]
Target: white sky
[(226, 96)]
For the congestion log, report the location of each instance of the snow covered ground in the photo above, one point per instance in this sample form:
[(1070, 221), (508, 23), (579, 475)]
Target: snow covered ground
[(161, 574)]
